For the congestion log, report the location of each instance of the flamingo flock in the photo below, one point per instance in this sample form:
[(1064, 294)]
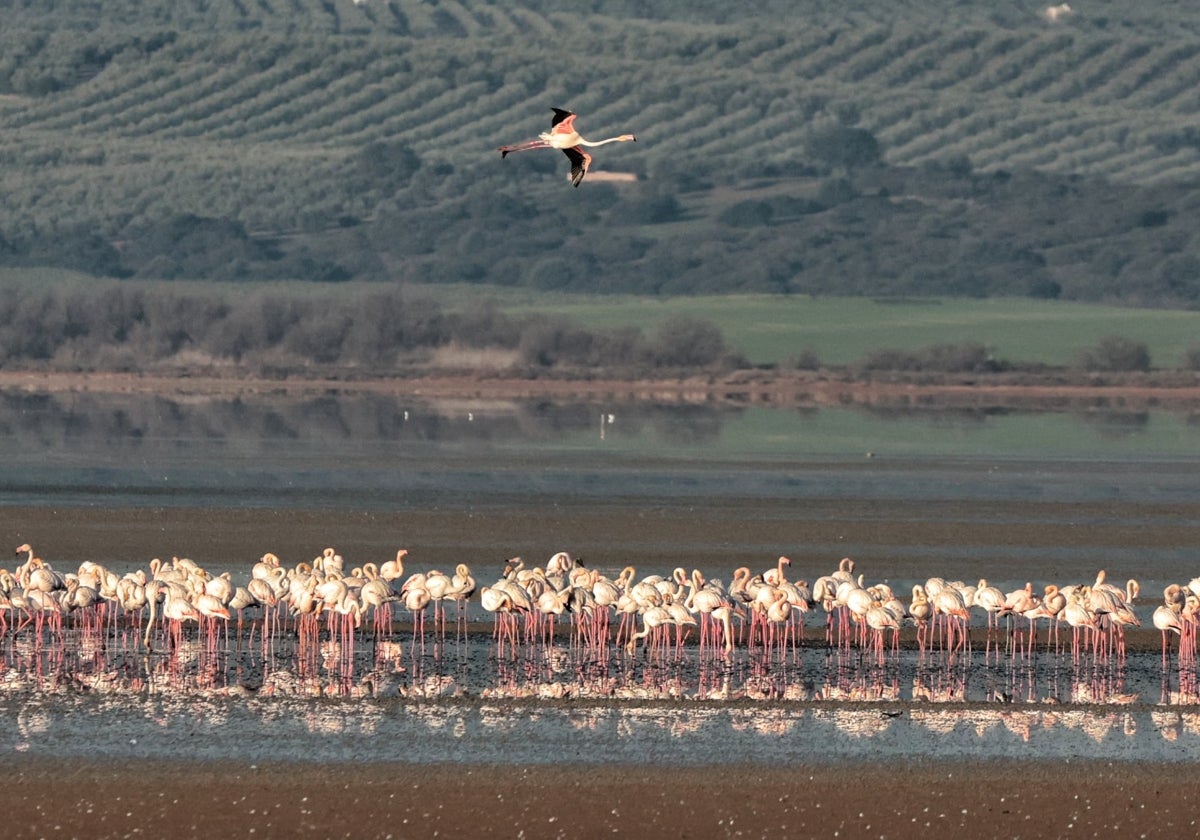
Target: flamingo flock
[(762, 611), (769, 611), (166, 596)]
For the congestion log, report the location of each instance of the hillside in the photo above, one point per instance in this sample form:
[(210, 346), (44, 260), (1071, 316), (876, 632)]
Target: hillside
[(926, 148)]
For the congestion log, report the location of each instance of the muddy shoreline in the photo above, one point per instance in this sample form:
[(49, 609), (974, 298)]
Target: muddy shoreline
[(984, 798), (800, 389)]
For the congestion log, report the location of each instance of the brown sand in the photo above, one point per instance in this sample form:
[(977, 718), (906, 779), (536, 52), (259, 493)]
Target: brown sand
[(44, 798)]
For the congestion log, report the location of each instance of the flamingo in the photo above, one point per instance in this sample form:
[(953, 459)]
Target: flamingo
[(1078, 616), (376, 594), (879, 619), (210, 609), (990, 599), (682, 618), (176, 608), (562, 135), (920, 611), (548, 606), (462, 587), (1166, 619), (265, 566), (1021, 602), (1051, 607), (652, 619), (416, 599), (776, 614), (949, 604), (438, 584), (706, 601), (394, 569)]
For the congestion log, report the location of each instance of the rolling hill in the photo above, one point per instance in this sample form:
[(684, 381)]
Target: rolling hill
[(831, 148)]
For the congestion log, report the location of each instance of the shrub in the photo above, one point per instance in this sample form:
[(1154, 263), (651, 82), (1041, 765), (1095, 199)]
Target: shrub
[(1191, 357), (687, 341), (966, 357), (840, 146), (806, 359), (1113, 354)]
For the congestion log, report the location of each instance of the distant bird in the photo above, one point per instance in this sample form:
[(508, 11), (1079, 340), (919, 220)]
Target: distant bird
[(1057, 13), (562, 135)]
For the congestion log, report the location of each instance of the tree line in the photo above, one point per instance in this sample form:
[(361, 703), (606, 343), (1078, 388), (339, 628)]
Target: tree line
[(387, 330)]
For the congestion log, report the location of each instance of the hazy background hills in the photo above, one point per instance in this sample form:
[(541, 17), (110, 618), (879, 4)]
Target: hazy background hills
[(920, 147)]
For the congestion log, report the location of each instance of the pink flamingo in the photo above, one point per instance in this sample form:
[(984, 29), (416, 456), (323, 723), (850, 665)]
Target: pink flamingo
[(562, 135), (653, 619), (777, 614), (878, 620), (416, 599), (920, 611), (176, 609), (1166, 620)]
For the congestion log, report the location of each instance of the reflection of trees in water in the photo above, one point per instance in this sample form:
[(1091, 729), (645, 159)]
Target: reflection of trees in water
[(676, 424), (1115, 425), (41, 421)]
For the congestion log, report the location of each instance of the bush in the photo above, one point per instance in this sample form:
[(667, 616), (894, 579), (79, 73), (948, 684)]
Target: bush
[(967, 357), (1114, 354), (747, 214), (843, 147), (1191, 357), (806, 359), (687, 341)]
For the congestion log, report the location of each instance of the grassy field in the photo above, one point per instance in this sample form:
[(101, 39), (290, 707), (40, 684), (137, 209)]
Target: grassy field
[(769, 329)]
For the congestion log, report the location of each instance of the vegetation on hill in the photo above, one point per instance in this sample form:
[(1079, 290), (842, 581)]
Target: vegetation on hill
[(921, 148)]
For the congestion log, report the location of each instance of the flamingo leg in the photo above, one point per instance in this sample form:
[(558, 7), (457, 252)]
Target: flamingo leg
[(523, 147)]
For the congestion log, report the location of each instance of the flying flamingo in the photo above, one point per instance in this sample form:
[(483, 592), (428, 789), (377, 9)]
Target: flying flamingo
[(562, 135)]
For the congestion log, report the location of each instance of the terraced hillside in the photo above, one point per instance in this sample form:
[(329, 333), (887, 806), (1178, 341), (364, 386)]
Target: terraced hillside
[(336, 119)]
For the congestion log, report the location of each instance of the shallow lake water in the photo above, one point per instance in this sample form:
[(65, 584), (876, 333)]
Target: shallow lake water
[(1007, 495)]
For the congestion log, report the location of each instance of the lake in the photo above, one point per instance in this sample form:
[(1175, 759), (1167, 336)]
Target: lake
[(1007, 495)]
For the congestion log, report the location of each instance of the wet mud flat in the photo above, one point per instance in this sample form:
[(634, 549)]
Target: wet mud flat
[(977, 532), (979, 798)]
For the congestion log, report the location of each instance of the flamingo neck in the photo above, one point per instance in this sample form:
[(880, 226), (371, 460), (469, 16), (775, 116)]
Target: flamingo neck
[(583, 142)]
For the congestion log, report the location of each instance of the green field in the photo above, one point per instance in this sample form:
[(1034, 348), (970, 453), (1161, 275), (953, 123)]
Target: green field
[(769, 329)]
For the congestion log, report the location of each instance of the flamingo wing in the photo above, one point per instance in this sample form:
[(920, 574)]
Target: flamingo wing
[(563, 122), (580, 161)]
